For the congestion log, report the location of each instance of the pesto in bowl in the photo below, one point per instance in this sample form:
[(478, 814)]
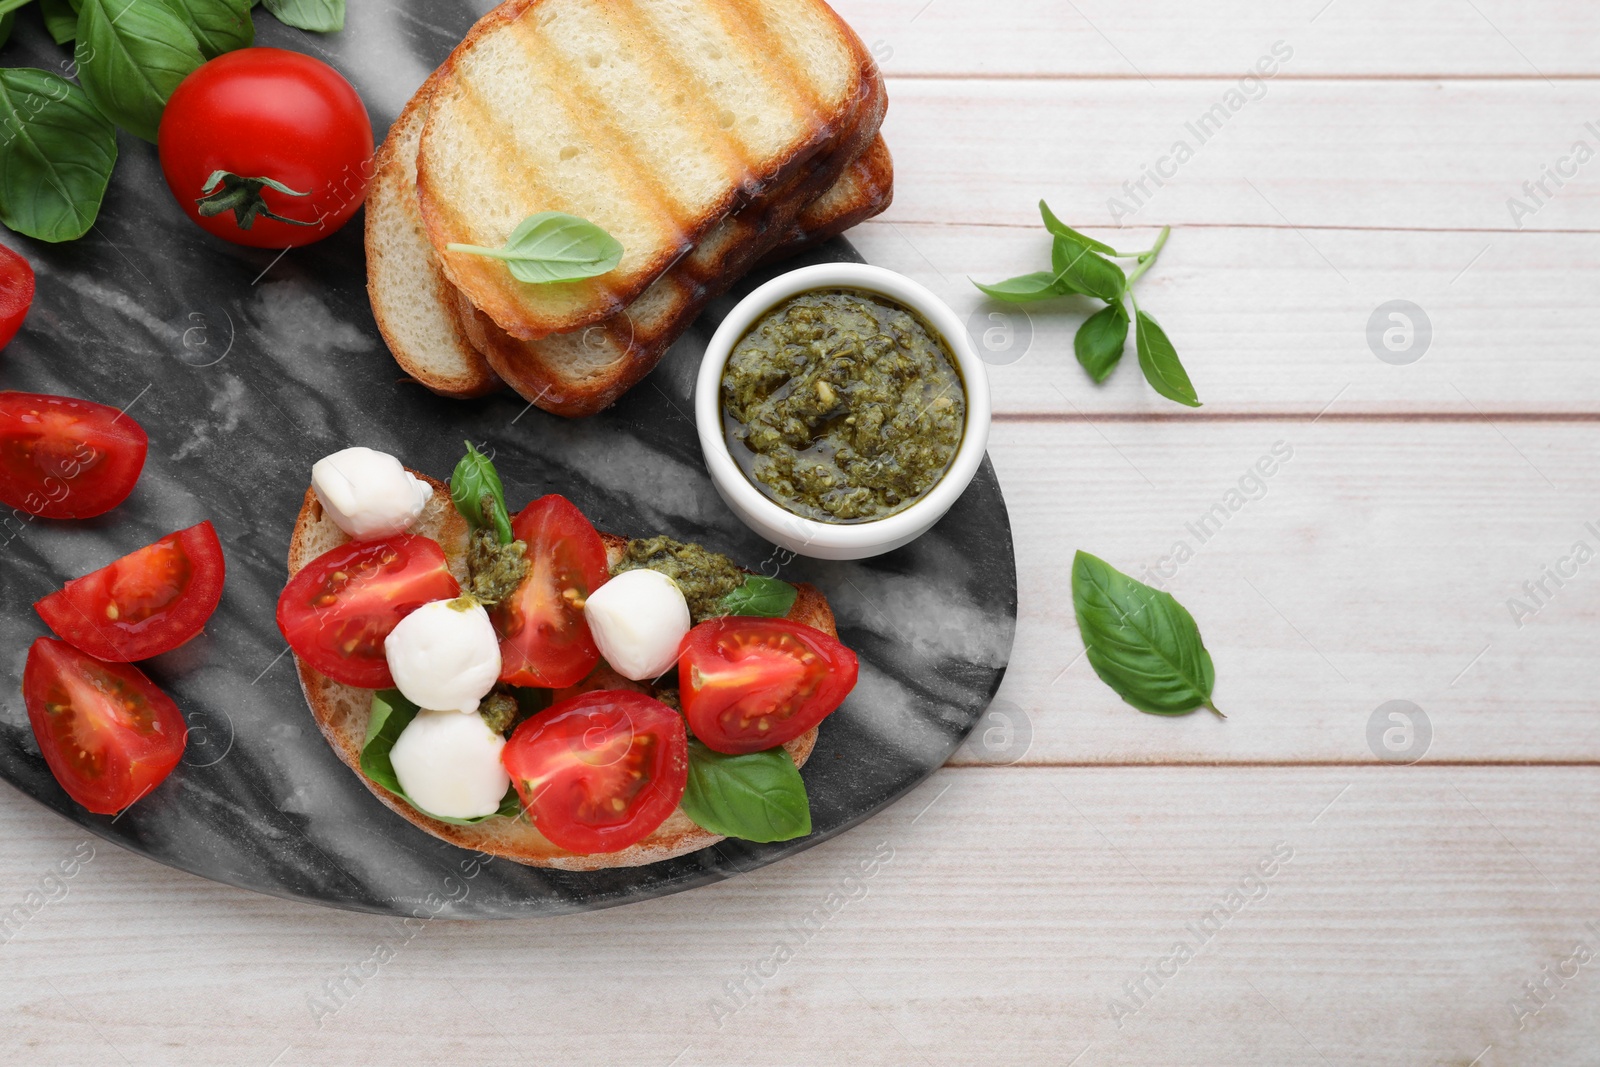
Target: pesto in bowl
[(843, 406)]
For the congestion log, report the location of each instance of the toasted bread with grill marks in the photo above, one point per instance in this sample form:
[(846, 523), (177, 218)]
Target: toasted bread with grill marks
[(653, 119), (430, 333), (341, 711), (584, 371)]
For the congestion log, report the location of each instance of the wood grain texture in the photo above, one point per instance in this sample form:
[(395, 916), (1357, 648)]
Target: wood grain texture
[(1347, 38), (1412, 906), (1308, 154), (1377, 563)]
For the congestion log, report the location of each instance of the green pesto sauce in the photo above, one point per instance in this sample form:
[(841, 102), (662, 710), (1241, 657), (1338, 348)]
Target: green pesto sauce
[(499, 709), (496, 570), (704, 576), (843, 406)]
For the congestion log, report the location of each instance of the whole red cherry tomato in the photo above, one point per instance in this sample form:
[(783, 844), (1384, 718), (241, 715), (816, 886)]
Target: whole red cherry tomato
[(266, 147), (16, 293)]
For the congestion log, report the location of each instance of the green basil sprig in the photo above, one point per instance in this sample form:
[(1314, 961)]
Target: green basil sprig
[(392, 713), (318, 16), (757, 797), (1141, 641), (553, 246), (56, 155), (759, 595), (1079, 266), (131, 55), (476, 484)]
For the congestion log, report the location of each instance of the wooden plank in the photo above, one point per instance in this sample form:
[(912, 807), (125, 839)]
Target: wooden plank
[(1165, 37), (1380, 562), (1374, 154), (1002, 913), (1266, 326)]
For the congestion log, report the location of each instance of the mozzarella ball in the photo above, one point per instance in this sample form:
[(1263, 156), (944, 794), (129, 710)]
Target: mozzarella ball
[(638, 619), (444, 657), (449, 764), (368, 494)]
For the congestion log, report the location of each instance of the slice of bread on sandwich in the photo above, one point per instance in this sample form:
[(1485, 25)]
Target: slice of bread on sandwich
[(582, 372), (653, 119), (429, 332), (341, 711)]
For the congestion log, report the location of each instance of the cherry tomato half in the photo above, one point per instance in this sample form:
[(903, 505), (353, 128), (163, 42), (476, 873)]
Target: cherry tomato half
[(62, 458), (16, 293), (266, 147), (146, 603), (748, 684), (544, 640), (337, 612), (107, 732), (599, 772)]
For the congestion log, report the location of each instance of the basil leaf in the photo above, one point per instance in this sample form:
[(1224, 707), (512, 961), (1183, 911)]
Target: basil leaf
[(1101, 339), (59, 19), (474, 479), (553, 246), (131, 54), (58, 155), (1140, 641), (757, 797), (318, 16), (1159, 361), (1040, 285), (1061, 229), (218, 25), (1085, 271), (8, 22), (391, 714), (760, 595)]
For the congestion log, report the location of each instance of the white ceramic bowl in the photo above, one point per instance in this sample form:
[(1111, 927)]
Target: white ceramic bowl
[(840, 540)]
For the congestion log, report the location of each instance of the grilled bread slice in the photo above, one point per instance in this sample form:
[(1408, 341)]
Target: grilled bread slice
[(579, 373), (653, 119), (341, 711), (411, 298), (415, 306)]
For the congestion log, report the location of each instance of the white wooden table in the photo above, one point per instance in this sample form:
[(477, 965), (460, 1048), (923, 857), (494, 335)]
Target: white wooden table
[(1030, 913)]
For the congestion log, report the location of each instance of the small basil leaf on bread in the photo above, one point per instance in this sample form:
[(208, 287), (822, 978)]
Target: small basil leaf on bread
[(1140, 641), (553, 246), (755, 797), (391, 714), (479, 495), (769, 598)]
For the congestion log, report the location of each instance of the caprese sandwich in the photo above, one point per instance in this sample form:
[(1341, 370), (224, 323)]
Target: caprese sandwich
[(529, 687)]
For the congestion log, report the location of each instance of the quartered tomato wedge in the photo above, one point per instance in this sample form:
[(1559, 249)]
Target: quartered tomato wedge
[(599, 772), (16, 293), (338, 610), (107, 732), (748, 683), (544, 641), (146, 603), (62, 458)]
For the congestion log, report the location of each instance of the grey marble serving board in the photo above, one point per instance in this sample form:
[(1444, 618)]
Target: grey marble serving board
[(245, 367)]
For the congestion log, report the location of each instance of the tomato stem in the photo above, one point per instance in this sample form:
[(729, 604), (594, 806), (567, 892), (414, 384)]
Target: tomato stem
[(226, 191)]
